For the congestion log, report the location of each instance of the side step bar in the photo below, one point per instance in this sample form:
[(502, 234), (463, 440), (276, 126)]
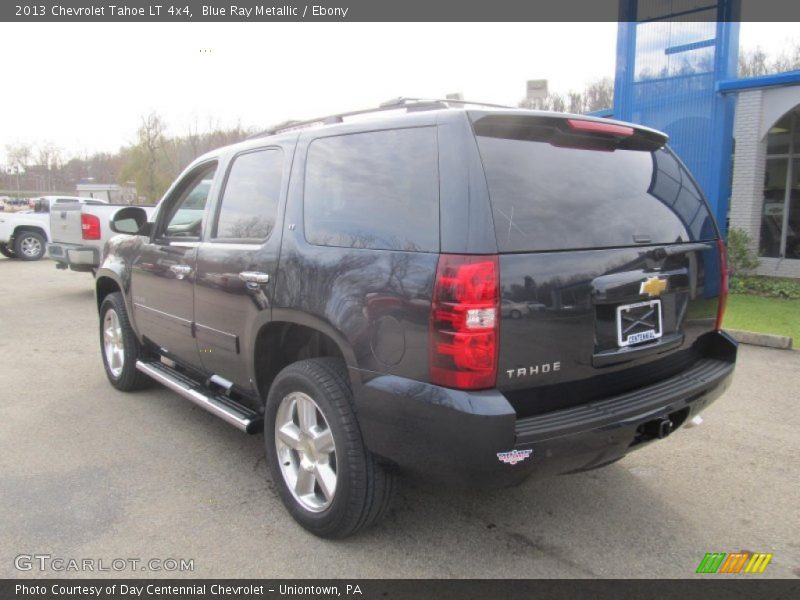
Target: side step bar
[(220, 405)]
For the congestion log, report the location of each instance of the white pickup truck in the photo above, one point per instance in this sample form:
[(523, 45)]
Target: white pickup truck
[(24, 234), (80, 231)]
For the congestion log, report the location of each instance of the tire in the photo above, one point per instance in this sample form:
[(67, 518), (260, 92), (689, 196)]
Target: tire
[(120, 369), (515, 314), (6, 251), (29, 245), (362, 488)]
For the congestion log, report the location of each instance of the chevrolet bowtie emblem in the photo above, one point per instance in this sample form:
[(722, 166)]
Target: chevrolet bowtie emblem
[(654, 286)]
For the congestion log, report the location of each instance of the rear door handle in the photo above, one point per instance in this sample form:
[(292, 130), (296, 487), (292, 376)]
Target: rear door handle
[(256, 277), (180, 271)]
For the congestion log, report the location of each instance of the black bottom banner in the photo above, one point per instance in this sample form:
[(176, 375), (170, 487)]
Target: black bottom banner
[(390, 589)]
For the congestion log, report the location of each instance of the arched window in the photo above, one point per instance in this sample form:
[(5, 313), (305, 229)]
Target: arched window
[(780, 218)]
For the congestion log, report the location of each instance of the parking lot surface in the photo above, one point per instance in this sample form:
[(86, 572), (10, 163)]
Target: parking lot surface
[(89, 472)]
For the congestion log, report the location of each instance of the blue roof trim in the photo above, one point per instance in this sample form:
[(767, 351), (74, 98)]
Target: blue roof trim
[(692, 46), (762, 81)]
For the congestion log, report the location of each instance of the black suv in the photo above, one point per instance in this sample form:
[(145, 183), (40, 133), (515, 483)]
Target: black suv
[(476, 295)]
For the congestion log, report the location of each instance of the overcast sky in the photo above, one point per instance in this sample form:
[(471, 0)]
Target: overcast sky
[(84, 87)]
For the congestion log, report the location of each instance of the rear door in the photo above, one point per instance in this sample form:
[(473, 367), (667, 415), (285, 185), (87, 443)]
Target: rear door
[(163, 273), (236, 265), (609, 266)]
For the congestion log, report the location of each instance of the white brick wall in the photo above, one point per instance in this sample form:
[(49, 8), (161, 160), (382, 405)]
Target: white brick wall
[(748, 165)]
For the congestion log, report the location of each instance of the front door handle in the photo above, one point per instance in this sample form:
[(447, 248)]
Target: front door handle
[(180, 271), (256, 277)]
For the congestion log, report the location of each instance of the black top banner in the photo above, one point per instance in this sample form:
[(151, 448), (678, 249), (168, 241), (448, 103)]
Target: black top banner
[(397, 10)]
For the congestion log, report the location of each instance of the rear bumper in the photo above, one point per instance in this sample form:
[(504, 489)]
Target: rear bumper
[(74, 256), (460, 437)]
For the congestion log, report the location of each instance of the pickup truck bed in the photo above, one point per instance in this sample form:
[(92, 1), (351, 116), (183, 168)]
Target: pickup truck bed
[(79, 232)]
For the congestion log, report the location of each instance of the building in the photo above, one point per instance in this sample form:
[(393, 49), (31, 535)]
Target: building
[(677, 72), (765, 196)]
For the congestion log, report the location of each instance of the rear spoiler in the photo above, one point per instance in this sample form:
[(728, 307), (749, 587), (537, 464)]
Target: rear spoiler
[(571, 131)]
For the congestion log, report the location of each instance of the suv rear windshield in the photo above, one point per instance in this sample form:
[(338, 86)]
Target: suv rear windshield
[(581, 194)]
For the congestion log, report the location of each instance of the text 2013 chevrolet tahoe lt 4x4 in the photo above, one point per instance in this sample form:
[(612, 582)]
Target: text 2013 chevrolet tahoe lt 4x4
[(475, 296)]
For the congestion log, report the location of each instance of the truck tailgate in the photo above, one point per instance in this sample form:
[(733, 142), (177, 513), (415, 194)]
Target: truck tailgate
[(65, 223), (567, 318)]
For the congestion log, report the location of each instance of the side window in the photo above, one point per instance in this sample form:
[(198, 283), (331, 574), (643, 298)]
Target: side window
[(377, 190), (184, 219), (250, 200)]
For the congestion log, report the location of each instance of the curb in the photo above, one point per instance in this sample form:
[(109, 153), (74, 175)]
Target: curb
[(781, 342)]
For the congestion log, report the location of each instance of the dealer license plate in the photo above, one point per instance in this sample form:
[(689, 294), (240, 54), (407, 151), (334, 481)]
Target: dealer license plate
[(639, 322)]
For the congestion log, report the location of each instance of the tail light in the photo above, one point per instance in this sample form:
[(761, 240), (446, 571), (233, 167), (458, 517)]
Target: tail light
[(465, 318), (723, 283), (90, 227), (600, 127)]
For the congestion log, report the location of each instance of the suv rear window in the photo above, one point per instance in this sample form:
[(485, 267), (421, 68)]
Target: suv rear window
[(378, 189), (562, 197)]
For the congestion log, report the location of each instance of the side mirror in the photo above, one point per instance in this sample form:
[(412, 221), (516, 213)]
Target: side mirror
[(131, 220)]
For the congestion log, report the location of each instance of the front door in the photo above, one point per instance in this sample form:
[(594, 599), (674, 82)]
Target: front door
[(163, 274), (236, 267)]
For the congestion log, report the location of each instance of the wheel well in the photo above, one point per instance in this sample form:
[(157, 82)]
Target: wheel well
[(23, 228), (280, 344), (104, 287)]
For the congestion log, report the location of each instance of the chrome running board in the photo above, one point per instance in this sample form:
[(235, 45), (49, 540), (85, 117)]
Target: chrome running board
[(219, 405)]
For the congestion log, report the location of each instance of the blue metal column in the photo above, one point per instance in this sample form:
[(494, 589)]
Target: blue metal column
[(666, 77)]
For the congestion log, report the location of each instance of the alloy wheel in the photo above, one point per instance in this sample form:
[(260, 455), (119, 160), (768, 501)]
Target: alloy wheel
[(113, 345), (31, 247), (306, 451)]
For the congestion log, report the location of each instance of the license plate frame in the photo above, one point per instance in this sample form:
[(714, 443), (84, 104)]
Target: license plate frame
[(648, 335)]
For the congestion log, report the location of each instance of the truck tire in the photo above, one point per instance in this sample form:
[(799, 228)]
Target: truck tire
[(119, 346), (29, 245), (6, 251), (328, 480)]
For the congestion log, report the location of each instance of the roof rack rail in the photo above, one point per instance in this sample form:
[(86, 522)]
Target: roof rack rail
[(402, 100), (410, 104)]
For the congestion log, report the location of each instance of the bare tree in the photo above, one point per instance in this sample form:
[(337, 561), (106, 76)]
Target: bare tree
[(551, 102), (48, 157), (147, 162), (193, 140), (19, 155), (151, 141), (755, 62), (788, 60), (597, 95), (151, 162)]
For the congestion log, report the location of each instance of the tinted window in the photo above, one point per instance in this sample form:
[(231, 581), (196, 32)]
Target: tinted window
[(250, 199), (185, 217), (374, 190), (546, 197)]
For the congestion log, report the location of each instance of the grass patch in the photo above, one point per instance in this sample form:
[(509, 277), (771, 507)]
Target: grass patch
[(764, 315)]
